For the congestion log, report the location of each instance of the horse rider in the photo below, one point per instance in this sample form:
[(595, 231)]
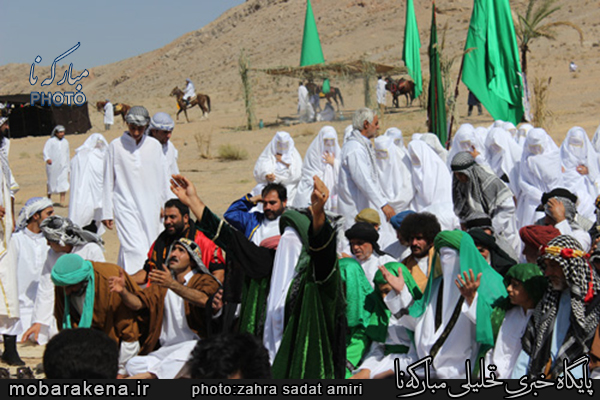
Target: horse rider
[(189, 92)]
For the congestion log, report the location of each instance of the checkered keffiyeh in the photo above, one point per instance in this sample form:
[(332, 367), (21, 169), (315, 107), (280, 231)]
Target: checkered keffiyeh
[(582, 280), (162, 121), (138, 115)]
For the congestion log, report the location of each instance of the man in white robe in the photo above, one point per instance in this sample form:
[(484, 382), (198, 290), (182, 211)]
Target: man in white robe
[(189, 92), (306, 112), (135, 189), (380, 92), (452, 320), (109, 115), (87, 183), (57, 157), (63, 237), (161, 129), (359, 182), (9, 308), (32, 249)]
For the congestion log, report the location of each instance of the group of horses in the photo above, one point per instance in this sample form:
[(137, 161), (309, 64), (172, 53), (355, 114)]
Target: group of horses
[(397, 88), (200, 100)]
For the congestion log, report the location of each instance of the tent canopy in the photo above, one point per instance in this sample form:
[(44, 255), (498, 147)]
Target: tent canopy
[(27, 120), (353, 69)]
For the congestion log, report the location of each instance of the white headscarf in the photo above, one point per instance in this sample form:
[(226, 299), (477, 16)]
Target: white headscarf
[(347, 131), (540, 171), (502, 154), (314, 164), (431, 177), (32, 206), (577, 150), (282, 143), (522, 133), (464, 140), (434, 142), (396, 134), (394, 171)]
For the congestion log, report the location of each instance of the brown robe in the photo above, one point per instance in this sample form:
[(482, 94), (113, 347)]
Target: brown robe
[(153, 298), (595, 350), (418, 275), (111, 316)]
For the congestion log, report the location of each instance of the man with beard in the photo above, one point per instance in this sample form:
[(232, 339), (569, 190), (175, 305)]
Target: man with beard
[(177, 225), (419, 230), (257, 225), (565, 320)]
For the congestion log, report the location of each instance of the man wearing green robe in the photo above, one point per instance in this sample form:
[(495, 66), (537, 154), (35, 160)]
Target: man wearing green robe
[(305, 332)]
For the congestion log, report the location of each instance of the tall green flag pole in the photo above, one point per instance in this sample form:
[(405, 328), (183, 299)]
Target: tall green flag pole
[(492, 70), (312, 53), (436, 107), (412, 46)]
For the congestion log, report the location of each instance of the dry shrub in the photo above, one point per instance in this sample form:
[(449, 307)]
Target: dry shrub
[(228, 152), (542, 115)]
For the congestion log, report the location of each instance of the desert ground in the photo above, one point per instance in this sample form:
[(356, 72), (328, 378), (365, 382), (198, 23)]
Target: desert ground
[(349, 29)]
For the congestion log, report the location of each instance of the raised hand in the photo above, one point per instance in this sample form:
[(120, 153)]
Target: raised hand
[(396, 282), (468, 285), (183, 188), (116, 284)]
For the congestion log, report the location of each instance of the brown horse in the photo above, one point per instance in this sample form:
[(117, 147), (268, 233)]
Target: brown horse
[(333, 94), (202, 100), (400, 87), (118, 108)]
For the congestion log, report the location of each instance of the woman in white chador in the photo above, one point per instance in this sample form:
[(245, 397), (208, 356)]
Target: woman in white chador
[(322, 159), (522, 133), (87, 182), (467, 139), (279, 162), (431, 178), (540, 171), (394, 172), (580, 169), (503, 153)]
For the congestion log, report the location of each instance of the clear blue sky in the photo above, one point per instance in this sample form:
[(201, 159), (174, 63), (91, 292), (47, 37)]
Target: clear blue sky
[(108, 30)]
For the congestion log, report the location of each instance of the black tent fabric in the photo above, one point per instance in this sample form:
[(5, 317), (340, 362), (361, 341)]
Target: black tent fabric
[(27, 120)]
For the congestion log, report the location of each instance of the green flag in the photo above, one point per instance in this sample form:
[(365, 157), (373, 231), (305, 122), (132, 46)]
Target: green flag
[(311, 45), (492, 69), (436, 107), (412, 47)]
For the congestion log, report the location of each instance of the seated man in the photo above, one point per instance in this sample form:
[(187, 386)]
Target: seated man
[(81, 353), (231, 356), (188, 285), (564, 322), (560, 208), (83, 300), (63, 237), (489, 249), (525, 285), (534, 238), (365, 249), (177, 225), (419, 230), (389, 337), (400, 248), (257, 225), (451, 322)]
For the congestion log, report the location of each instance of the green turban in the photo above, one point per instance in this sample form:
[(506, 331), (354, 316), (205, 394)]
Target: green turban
[(71, 269)]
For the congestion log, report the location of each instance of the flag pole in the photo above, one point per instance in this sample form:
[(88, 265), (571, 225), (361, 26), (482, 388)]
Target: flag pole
[(455, 97)]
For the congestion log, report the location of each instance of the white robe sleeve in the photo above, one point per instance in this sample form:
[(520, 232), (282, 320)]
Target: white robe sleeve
[(109, 185), (359, 170), (47, 150)]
